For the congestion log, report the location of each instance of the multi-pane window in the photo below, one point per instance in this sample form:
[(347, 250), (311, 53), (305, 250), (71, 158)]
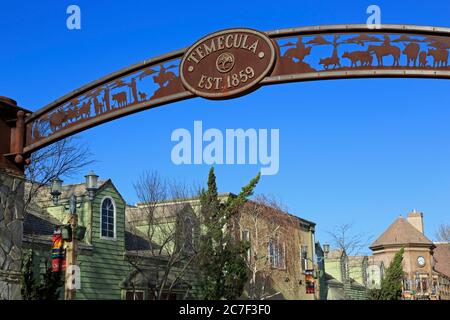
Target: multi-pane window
[(134, 295), (188, 235), (245, 236), (276, 251), (108, 216), (304, 257)]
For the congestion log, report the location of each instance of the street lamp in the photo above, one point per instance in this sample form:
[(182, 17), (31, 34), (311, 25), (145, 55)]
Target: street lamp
[(326, 249), (56, 190), (91, 184), (76, 232)]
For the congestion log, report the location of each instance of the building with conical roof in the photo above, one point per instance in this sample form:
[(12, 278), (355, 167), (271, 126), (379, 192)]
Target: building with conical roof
[(422, 280)]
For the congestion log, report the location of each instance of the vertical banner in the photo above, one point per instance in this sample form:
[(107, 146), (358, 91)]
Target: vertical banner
[(58, 251), (309, 279)]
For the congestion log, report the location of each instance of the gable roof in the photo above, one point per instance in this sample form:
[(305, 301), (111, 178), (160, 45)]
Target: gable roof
[(104, 184), (401, 232), (78, 189)]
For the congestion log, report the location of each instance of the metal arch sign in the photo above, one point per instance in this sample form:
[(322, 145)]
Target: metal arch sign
[(207, 68), (227, 63)]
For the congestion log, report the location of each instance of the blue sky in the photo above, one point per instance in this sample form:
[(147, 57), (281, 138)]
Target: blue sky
[(351, 151)]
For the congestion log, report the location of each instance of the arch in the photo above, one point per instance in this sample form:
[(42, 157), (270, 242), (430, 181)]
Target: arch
[(302, 54)]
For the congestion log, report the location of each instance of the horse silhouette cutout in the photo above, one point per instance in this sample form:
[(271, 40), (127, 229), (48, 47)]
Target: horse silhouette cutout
[(72, 114), (299, 52), (163, 78)]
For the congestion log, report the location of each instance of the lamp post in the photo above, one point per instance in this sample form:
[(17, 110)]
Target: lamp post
[(77, 233), (326, 249)]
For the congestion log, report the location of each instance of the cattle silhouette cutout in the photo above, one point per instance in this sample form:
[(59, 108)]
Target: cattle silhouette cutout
[(412, 52), (440, 57), (326, 62), (85, 110), (422, 59), (56, 119), (98, 107), (364, 58), (142, 96), (120, 98), (72, 114), (385, 50)]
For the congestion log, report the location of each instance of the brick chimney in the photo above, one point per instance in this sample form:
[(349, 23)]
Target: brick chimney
[(415, 218)]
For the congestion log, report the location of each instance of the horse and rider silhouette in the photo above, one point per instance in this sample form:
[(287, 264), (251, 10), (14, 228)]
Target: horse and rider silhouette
[(385, 49)]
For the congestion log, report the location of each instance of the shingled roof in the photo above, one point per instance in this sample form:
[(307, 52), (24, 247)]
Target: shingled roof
[(401, 232), (39, 224), (441, 256)]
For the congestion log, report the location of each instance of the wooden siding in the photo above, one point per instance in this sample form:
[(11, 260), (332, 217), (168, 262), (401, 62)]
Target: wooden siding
[(104, 270)]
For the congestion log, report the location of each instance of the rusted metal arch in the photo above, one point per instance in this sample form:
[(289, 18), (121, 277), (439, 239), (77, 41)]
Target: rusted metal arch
[(183, 94)]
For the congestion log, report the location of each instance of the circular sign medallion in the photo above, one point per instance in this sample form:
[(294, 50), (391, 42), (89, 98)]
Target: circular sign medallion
[(227, 63)]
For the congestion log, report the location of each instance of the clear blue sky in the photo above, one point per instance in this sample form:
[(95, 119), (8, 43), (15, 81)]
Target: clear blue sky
[(358, 151)]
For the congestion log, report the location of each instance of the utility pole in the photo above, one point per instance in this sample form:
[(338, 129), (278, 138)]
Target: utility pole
[(71, 259), (77, 232)]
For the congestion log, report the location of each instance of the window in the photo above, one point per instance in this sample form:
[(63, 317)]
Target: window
[(245, 236), (304, 257), (108, 217), (276, 251), (406, 284), (187, 234), (134, 295)]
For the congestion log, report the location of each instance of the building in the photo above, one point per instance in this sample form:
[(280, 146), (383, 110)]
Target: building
[(425, 276), (281, 254), (345, 276), (127, 250), (280, 258), (107, 253)]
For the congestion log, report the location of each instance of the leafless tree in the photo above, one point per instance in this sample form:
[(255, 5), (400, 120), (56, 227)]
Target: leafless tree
[(262, 220), (443, 233), (350, 244), (170, 225), (65, 158)]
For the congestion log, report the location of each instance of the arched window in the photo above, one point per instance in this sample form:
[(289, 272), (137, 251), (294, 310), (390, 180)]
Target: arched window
[(108, 219)]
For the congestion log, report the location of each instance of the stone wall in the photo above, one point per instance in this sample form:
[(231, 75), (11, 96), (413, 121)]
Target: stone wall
[(11, 230)]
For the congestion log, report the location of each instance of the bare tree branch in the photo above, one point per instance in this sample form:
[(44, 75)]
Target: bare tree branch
[(350, 244), (443, 233), (170, 226), (65, 158), (265, 220)]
